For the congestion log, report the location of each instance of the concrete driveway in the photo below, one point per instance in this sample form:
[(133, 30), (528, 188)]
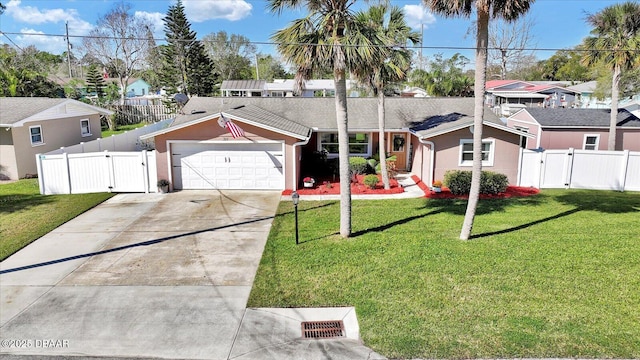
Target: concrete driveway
[(158, 276)]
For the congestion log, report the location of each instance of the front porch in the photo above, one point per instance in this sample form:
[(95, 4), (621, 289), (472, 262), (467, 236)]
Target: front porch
[(319, 157)]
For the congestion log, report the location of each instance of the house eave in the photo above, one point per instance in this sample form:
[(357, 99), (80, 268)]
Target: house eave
[(469, 123), (266, 127), (38, 116), (213, 116)]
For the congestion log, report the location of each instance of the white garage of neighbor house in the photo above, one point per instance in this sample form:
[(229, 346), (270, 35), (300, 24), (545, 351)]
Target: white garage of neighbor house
[(197, 152)]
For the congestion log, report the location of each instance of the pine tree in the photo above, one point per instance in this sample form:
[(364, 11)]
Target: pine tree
[(95, 82), (186, 64)]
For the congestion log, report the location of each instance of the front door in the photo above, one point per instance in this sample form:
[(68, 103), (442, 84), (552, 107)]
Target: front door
[(398, 145)]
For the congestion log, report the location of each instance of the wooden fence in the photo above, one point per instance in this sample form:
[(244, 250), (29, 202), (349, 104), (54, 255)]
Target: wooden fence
[(135, 114)]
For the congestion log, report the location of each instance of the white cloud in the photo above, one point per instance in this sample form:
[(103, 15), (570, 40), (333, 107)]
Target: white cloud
[(203, 10), (33, 15), (52, 44), (155, 18), (417, 15)]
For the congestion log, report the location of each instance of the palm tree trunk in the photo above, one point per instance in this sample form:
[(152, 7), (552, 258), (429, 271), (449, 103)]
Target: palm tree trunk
[(615, 83), (478, 114), (343, 149), (382, 148)]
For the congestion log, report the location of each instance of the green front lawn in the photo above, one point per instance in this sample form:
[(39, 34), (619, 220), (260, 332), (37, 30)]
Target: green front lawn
[(26, 215), (554, 275)]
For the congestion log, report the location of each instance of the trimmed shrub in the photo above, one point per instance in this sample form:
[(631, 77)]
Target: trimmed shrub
[(358, 165), (493, 183), (371, 181), (459, 182)]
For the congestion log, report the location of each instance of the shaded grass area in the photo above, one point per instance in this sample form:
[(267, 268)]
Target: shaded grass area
[(121, 129), (26, 215), (552, 275)]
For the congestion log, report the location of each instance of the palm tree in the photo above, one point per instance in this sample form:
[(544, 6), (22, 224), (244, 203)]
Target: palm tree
[(615, 43), (326, 39), (387, 25), (508, 10)]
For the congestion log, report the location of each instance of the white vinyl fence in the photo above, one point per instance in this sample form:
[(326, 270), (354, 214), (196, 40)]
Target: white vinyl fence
[(580, 169), (127, 141), (97, 172)]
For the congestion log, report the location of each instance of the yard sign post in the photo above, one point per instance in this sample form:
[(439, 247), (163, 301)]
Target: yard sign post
[(296, 198)]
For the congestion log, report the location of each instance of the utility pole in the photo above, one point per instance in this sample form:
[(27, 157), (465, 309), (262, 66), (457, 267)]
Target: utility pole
[(66, 24), (421, 43), (257, 70)]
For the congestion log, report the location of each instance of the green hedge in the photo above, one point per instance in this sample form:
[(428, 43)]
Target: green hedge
[(371, 181), (358, 165), (459, 182)]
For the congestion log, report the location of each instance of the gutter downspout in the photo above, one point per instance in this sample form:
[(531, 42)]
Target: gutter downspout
[(433, 156), (296, 159)]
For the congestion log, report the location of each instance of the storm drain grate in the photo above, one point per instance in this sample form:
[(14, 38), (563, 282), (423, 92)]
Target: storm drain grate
[(323, 329)]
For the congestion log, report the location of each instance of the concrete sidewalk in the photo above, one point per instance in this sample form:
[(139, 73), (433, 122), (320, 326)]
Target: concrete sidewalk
[(158, 276)]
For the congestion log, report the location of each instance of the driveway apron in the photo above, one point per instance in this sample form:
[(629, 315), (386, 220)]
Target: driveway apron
[(141, 275)]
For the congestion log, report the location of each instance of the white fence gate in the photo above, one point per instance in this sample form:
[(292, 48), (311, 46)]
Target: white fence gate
[(580, 169), (97, 172)]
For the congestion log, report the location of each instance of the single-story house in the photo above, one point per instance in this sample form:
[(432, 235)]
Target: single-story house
[(586, 129), (282, 88), (30, 125), (137, 87), (427, 136), (531, 94)]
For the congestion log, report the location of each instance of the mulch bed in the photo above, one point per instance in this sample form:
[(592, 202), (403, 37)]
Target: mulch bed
[(357, 188), (512, 191)]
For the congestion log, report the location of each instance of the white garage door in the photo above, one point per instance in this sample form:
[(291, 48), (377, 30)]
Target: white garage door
[(228, 166)]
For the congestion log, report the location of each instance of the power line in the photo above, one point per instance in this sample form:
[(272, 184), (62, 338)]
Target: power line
[(413, 47)]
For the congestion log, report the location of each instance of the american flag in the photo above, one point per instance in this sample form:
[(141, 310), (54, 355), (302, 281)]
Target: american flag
[(234, 129)]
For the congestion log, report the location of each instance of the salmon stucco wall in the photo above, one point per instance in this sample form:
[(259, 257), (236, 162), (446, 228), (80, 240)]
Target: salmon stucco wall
[(210, 131), (447, 154)]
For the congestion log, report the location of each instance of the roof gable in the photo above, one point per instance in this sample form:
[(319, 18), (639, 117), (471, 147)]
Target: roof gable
[(505, 85), (15, 111)]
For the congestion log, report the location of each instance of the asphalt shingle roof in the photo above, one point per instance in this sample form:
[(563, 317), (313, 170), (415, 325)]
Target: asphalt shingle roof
[(295, 115), (582, 117), (14, 109)]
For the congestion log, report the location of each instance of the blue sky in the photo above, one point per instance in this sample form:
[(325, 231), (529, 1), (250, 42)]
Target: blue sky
[(557, 23)]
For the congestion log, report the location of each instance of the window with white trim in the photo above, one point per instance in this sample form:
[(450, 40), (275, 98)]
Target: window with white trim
[(523, 139), (36, 135), (591, 142), (466, 152), (85, 127), (359, 144)]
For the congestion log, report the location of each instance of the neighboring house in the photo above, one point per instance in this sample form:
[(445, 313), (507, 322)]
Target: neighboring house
[(137, 87), (414, 91), (586, 129), (243, 88), (633, 107), (586, 99), (30, 126), (280, 88), (530, 94), (427, 136)]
